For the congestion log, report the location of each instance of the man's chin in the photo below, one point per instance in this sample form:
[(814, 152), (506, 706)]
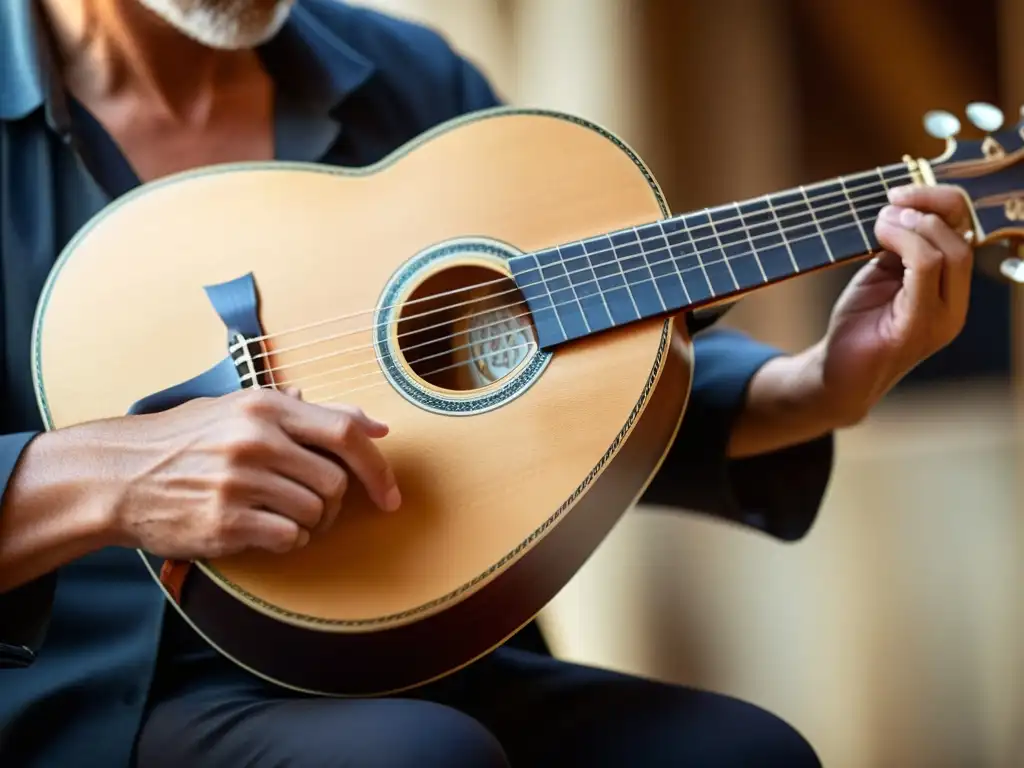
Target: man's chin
[(222, 25)]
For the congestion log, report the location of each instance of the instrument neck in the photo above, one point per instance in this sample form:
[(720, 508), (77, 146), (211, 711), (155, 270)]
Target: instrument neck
[(685, 262)]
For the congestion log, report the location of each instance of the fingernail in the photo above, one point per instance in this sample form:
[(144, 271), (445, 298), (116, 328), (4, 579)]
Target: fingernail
[(898, 194), (890, 214), (909, 217), (303, 538), (393, 500)]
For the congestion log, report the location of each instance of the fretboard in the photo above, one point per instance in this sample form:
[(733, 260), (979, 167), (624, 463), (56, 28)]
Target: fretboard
[(684, 262)]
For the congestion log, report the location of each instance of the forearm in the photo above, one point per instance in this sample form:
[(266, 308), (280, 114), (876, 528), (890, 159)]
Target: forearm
[(54, 510), (784, 407)]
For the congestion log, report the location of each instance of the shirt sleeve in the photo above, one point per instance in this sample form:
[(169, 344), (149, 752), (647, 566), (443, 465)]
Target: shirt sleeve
[(25, 611), (778, 493), (474, 90)]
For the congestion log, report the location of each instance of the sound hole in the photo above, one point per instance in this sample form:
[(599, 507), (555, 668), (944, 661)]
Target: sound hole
[(465, 328)]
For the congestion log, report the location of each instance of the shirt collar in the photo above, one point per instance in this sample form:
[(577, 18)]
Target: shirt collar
[(316, 68)]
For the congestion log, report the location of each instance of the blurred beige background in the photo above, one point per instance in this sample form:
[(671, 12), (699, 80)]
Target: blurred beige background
[(893, 636)]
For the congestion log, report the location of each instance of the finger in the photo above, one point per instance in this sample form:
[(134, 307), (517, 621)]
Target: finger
[(286, 497), (955, 283), (343, 435), (317, 470), (922, 262), (944, 200), (336, 497), (371, 426), (260, 529)]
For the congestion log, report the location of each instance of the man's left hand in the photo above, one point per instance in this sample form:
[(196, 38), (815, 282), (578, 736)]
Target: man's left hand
[(903, 306)]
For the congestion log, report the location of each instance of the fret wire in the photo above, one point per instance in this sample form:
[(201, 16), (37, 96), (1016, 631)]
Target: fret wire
[(675, 264), (858, 219), (775, 211), (662, 266), (547, 289), (597, 283), (700, 253), (853, 210), (753, 248), (689, 269), (696, 252), (810, 208), (721, 247), (572, 287), (768, 199), (643, 255), (782, 233), (625, 280)]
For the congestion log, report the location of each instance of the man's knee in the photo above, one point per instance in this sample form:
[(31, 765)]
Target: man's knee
[(317, 733), (427, 734), (703, 728), (764, 739)]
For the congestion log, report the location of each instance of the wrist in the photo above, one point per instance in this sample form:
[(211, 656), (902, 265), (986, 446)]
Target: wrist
[(818, 400), (61, 471), (787, 403)]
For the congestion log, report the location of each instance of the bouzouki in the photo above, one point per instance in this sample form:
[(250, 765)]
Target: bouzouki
[(505, 292)]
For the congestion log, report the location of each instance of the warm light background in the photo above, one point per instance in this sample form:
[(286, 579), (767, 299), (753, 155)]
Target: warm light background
[(894, 635)]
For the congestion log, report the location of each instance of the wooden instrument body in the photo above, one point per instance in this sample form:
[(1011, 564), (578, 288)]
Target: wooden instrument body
[(503, 498)]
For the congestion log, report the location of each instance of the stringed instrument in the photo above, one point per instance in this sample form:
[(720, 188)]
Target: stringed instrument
[(506, 292)]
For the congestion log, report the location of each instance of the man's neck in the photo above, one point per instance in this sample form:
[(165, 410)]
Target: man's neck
[(117, 50)]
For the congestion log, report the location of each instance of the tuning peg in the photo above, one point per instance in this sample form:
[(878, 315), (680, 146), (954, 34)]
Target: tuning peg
[(941, 125), (985, 116)]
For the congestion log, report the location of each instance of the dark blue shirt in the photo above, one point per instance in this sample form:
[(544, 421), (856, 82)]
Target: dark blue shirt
[(351, 86)]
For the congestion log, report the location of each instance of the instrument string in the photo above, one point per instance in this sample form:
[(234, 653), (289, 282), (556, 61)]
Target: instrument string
[(451, 366), (805, 205), (405, 350), (488, 311), (444, 353)]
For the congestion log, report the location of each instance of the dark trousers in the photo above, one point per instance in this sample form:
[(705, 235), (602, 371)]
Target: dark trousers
[(513, 708)]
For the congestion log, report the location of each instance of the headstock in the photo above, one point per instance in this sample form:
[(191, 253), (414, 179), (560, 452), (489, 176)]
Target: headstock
[(990, 171)]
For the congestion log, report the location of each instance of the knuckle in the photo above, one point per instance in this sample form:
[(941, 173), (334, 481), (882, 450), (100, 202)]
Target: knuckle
[(287, 540), (227, 486), (351, 411), (259, 403), (344, 430), (336, 485), (247, 440), (312, 511), (224, 526), (931, 223)]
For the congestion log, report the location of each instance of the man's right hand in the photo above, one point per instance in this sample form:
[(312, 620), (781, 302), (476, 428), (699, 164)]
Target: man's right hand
[(256, 469)]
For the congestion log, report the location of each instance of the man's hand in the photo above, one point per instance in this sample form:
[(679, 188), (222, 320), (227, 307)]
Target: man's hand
[(256, 469), (902, 307)]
